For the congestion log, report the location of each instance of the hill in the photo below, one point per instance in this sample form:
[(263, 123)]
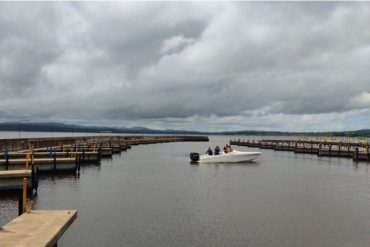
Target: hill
[(59, 127)]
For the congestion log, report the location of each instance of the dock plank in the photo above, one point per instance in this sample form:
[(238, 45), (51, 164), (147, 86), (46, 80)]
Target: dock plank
[(38, 228), (15, 173)]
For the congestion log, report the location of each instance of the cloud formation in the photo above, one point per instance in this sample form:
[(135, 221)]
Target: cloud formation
[(226, 66)]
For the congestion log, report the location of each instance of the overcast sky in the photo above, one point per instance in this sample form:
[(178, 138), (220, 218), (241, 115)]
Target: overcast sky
[(291, 66)]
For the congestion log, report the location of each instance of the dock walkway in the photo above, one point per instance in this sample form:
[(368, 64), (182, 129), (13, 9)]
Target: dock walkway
[(356, 151), (12, 180), (37, 228)]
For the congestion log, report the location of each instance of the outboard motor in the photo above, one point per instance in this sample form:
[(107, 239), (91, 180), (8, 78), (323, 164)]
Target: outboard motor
[(194, 157)]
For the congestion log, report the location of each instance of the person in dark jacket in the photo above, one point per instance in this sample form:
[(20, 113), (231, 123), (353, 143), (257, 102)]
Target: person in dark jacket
[(217, 150), (209, 151)]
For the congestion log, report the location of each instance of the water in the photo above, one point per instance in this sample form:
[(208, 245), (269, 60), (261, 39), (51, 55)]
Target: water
[(152, 196)]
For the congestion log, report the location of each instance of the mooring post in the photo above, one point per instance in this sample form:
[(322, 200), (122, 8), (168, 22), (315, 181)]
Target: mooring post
[(32, 154), (55, 161), (355, 158), (36, 179), (33, 178), (6, 159), (20, 202), (83, 153), (24, 196), (27, 158), (79, 165)]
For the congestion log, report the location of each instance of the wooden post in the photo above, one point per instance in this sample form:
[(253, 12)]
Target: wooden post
[(32, 154), (24, 195), (355, 157), (27, 158), (78, 164), (83, 153), (7, 162), (55, 161), (20, 203), (34, 179)]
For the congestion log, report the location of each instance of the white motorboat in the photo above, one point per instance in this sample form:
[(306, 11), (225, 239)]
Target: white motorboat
[(233, 156)]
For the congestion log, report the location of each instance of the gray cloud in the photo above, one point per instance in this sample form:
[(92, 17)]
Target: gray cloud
[(247, 65)]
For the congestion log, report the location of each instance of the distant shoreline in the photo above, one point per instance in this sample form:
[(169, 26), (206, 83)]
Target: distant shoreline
[(57, 127)]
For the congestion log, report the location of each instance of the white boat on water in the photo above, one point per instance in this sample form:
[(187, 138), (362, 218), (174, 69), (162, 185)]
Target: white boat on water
[(233, 156)]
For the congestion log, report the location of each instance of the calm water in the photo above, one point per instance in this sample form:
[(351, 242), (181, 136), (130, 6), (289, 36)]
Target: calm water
[(151, 196)]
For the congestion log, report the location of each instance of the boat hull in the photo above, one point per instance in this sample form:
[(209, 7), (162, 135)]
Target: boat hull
[(232, 157)]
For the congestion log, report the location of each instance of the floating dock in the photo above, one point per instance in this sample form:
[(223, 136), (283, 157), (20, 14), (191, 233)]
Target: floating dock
[(17, 144), (68, 153), (38, 228), (13, 180), (87, 156), (44, 165), (20, 161), (355, 150)]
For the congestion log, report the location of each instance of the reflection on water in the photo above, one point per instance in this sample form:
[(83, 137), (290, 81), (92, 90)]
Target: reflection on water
[(151, 196), (249, 163)]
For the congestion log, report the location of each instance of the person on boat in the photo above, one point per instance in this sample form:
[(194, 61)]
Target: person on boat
[(217, 150), (209, 151), (225, 149), (229, 149)]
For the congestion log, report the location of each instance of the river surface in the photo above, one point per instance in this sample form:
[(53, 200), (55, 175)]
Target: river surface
[(152, 196)]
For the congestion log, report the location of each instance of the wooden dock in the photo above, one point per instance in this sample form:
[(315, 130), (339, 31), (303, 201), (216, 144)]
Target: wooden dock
[(13, 180), (355, 150), (87, 156), (16, 144), (43, 227), (38, 228), (44, 165)]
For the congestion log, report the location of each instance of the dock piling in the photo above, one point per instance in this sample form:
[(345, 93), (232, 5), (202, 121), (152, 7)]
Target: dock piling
[(24, 195), (20, 202), (6, 162), (55, 161)]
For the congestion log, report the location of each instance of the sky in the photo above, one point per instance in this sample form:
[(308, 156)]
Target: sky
[(224, 66)]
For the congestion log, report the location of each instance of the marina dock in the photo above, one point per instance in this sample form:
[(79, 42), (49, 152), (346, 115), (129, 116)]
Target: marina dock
[(13, 180), (21, 160), (44, 165), (67, 154), (355, 150), (37, 228), (16, 144)]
